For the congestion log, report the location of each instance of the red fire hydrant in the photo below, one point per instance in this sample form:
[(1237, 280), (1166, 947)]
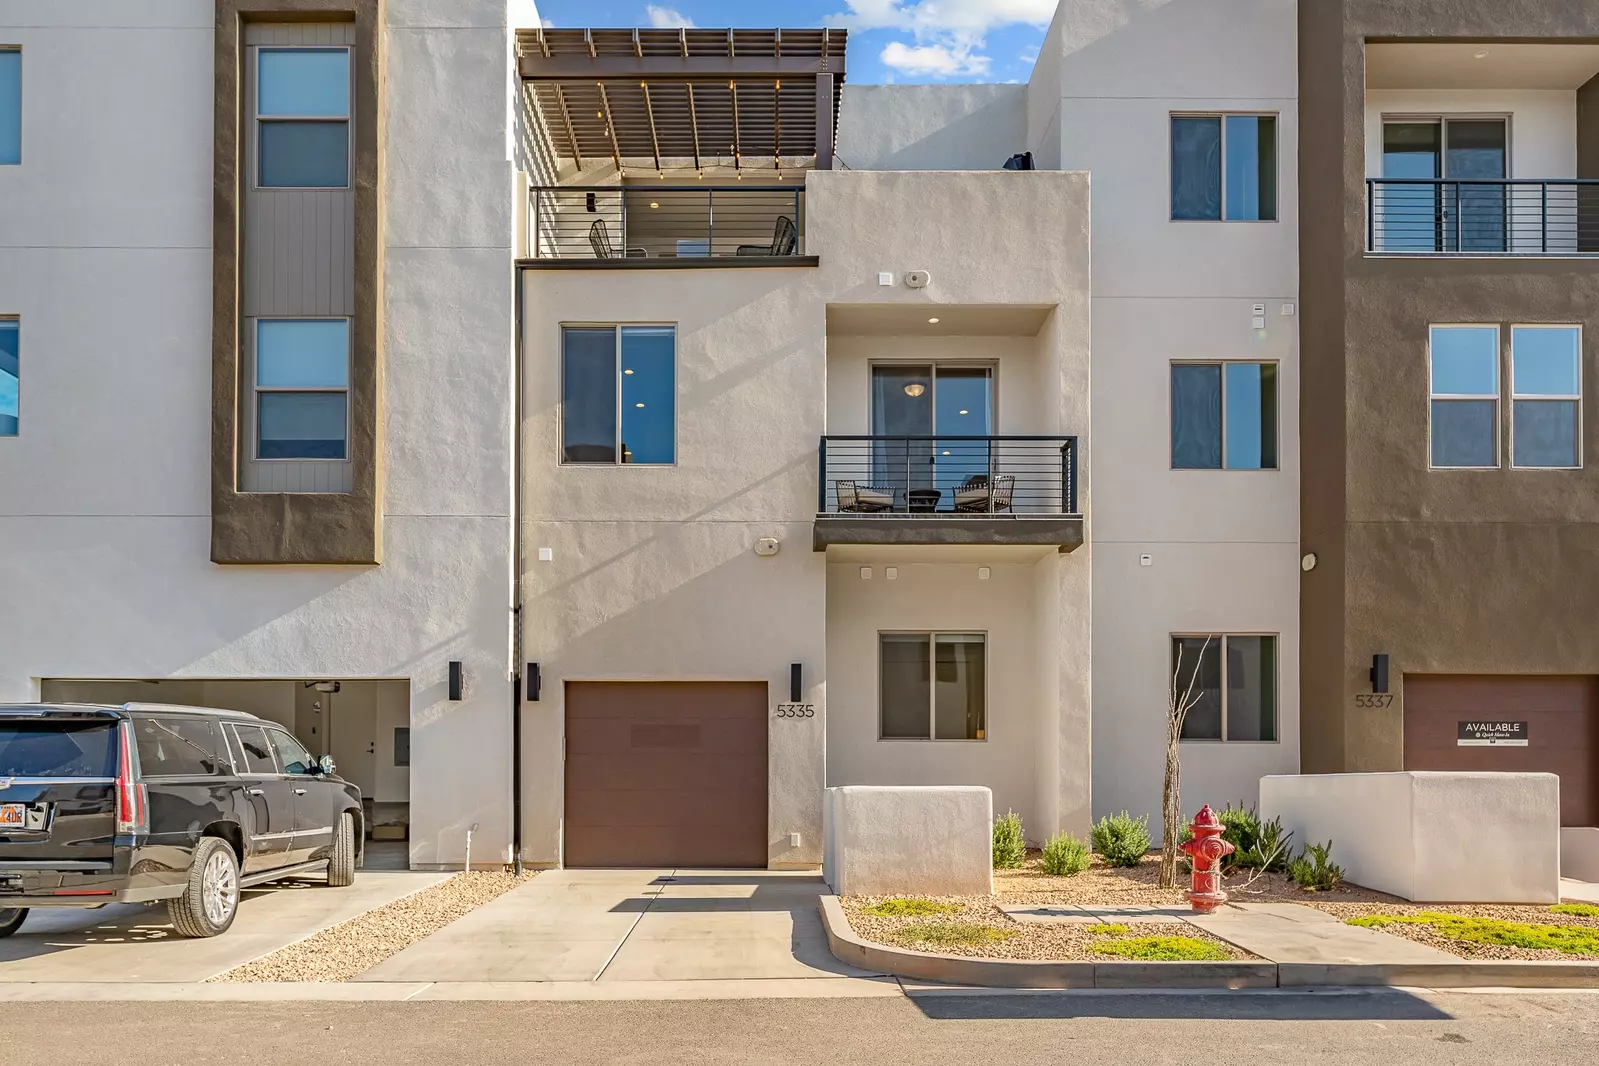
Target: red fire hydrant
[(1207, 849)]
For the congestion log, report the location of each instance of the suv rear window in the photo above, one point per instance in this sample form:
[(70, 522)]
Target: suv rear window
[(57, 749), (173, 747)]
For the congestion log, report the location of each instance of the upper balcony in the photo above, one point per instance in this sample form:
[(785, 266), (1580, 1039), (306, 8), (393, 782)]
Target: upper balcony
[(657, 224), (1476, 149)]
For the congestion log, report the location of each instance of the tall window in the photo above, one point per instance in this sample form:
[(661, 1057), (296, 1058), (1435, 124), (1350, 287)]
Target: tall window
[(1234, 686), (618, 394), (1224, 416), (1465, 396), (10, 106), (302, 388), (1546, 396), (932, 686), (1224, 167), (10, 375), (303, 117)]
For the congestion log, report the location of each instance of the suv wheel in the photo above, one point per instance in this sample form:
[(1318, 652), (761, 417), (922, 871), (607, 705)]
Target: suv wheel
[(11, 920), (211, 899), (341, 864)]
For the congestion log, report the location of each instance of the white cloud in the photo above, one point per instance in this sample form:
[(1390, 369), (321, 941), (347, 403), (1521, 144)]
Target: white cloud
[(934, 60), (667, 18)]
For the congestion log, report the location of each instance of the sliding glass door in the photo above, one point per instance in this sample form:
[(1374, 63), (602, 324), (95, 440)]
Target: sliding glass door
[(926, 400), (1459, 215)]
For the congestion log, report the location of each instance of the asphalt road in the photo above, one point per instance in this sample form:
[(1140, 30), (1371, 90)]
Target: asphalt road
[(1380, 1029)]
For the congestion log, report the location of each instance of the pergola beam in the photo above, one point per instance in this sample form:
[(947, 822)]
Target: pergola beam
[(694, 125), (571, 131), (649, 112), (610, 126), (580, 67)]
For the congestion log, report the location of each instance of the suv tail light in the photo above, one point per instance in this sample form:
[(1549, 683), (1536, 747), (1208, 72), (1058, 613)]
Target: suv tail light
[(133, 799)]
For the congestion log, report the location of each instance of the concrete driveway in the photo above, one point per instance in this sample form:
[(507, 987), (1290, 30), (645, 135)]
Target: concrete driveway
[(632, 925), (132, 942)]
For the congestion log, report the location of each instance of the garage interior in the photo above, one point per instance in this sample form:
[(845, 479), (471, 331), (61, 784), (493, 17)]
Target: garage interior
[(364, 725)]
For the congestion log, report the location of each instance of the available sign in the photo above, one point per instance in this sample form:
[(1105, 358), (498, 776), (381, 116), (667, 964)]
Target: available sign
[(1491, 735)]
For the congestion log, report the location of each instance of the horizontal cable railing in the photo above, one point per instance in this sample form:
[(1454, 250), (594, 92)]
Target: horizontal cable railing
[(947, 476), (665, 221), (1421, 216)]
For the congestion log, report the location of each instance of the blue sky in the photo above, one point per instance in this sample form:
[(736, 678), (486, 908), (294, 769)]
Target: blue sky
[(904, 41)]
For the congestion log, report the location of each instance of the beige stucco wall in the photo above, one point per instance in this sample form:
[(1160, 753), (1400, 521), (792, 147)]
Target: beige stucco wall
[(653, 573)]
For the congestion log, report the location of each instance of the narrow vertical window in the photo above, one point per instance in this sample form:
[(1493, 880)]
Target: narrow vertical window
[(303, 117), (1546, 396), (1224, 167), (1224, 415), (1465, 396), (10, 376), (10, 106), (1196, 416), (302, 385), (619, 394), (1196, 169)]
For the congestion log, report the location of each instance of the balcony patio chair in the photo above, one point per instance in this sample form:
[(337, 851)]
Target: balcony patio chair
[(600, 240), (857, 498), (785, 239), (977, 495)]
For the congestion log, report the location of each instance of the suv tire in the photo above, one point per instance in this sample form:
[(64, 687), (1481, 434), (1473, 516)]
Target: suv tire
[(210, 900), (341, 864), (11, 920)]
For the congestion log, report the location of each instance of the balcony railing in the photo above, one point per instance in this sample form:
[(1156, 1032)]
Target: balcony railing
[(675, 222), (1428, 216), (947, 477)]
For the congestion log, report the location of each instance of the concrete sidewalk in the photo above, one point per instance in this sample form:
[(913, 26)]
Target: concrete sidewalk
[(632, 926)]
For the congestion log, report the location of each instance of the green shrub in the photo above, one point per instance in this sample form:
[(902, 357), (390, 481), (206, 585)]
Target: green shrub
[(1240, 827), (1121, 839), (1163, 948), (1570, 939), (1273, 847), (1314, 868), (946, 934), (1580, 910), (1010, 847), (1108, 929), (1065, 855), (1257, 845), (909, 908)]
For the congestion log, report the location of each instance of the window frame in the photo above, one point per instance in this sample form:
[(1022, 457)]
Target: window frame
[(233, 738), (13, 323), (1514, 395), (932, 636), (348, 118), (1276, 681), (277, 755), (256, 388), (21, 88), (616, 354), (1497, 396), (1223, 116), (1171, 413)]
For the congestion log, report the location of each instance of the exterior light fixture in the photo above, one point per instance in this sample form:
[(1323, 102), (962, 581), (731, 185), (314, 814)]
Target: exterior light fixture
[(638, 405), (629, 371), (1379, 672), (532, 682), (932, 321), (965, 412), (1481, 54), (456, 680), (795, 689), (946, 453), (915, 389)]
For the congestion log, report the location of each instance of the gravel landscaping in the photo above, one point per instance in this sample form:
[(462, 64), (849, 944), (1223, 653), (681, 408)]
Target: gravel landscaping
[(1139, 886), (1433, 936), (353, 947)]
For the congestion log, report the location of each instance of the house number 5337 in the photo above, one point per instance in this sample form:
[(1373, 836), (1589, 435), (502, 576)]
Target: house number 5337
[(795, 710)]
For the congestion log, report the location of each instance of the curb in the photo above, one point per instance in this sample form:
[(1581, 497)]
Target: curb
[(849, 948)]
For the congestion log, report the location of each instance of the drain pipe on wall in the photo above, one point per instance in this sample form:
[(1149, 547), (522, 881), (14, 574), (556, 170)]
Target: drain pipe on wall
[(468, 867), (516, 577)]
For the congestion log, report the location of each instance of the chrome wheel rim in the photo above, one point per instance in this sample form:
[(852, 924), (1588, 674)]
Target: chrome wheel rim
[(8, 915), (219, 888)]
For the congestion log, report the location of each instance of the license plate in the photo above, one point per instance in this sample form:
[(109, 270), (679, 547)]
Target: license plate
[(13, 815)]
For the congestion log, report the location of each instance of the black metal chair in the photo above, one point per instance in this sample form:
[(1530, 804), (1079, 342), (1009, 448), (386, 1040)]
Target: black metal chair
[(600, 240), (785, 239)]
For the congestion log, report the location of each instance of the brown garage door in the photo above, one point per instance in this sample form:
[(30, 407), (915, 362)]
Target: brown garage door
[(665, 773), (1562, 716)]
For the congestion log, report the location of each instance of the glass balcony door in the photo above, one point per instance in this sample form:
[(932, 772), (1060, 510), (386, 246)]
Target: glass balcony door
[(1456, 216), (925, 400)]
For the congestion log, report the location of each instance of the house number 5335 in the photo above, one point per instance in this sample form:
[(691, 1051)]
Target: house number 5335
[(795, 710)]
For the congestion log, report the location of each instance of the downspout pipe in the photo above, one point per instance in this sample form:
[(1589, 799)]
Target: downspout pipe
[(516, 579)]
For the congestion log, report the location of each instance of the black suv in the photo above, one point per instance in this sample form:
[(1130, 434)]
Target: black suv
[(148, 802)]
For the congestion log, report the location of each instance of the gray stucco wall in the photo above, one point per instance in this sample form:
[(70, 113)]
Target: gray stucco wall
[(932, 127)]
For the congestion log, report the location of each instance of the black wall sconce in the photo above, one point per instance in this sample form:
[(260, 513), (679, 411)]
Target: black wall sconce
[(532, 682), (794, 687), (1379, 672), (455, 680)]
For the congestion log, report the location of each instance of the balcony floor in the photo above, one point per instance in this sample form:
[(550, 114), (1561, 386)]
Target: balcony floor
[(1062, 532)]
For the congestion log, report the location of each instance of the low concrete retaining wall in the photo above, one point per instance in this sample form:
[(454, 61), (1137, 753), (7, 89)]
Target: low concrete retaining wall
[(1430, 837), (1579, 854), (926, 841)]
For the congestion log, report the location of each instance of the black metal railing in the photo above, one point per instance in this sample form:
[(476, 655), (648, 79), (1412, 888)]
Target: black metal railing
[(947, 476), (1427, 216), (665, 221)]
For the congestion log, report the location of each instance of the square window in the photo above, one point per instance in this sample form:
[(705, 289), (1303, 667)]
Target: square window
[(1464, 373), (10, 106), (1229, 684), (932, 686), (1224, 415), (303, 117), (619, 394), (10, 376), (1546, 396), (302, 375), (1224, 167)]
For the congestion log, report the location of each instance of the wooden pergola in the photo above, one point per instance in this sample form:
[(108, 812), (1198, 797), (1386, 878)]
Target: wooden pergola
[(697, 95)]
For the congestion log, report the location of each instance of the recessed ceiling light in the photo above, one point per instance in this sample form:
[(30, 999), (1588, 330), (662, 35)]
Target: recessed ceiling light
[(654, 205), (1481, 54), (932, 321)]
